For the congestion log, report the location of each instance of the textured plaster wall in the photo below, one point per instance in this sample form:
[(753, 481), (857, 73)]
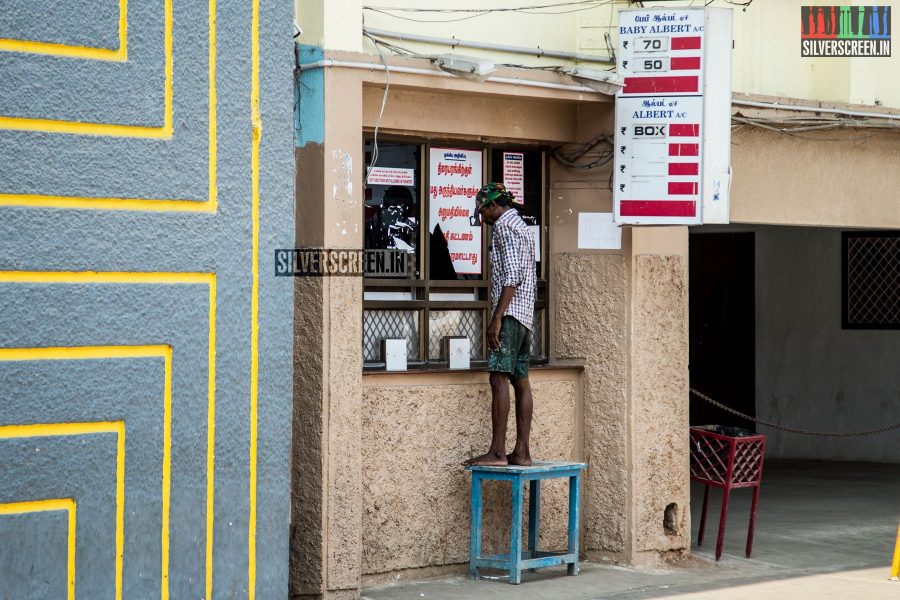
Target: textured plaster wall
[(415, 491), (590, 317), (114, 274), (810, 373), (659, 388), (327, 501), (784, 180), (590, 295)]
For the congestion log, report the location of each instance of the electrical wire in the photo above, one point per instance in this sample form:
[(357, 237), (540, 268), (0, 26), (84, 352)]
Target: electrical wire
[(387, 86), (585, 156), (472, 13), (406, 52), (425, 20), (478, 10), (811, 128)]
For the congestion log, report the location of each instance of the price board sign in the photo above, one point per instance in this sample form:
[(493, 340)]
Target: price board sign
[(671, 117)]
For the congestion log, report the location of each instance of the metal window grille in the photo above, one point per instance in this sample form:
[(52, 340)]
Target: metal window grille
[(468, 323), (420, 318), (382, 324), (871, 280)]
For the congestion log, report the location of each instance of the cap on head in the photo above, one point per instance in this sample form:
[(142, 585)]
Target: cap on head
[(494, 192)]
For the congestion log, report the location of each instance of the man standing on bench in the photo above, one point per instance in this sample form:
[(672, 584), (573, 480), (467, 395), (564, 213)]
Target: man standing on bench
[(513, 285)]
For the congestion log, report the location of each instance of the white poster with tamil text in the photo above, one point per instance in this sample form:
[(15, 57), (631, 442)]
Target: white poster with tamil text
[(514, 175), (454, 180)]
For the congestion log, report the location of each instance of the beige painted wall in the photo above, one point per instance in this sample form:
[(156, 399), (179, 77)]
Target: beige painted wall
[(326, 503), (766, 58), (840, 179), (417, 429), (386, 493)]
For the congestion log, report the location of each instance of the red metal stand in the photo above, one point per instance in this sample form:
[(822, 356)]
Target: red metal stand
[(726, 462)]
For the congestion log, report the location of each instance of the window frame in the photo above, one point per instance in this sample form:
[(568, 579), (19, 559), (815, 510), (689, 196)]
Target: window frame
[(845, 271), (421, 288)]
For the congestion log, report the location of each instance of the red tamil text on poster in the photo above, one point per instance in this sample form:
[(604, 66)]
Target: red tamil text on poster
[(454, 180), (514, 175)]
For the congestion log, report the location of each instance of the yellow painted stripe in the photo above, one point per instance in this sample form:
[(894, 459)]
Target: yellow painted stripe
[(211, 441), (167, 95), (15, 508), (60, 429), (86, 203), (53, 504), (82, 352), (70, 566), (86, 52), (256, 124), (213, 128), (211, 383), (122, 277), (123, 28), (120, 503), (82, 128), (166, 473), (119, 54), (101, 352), (111, 129), (210, 205)]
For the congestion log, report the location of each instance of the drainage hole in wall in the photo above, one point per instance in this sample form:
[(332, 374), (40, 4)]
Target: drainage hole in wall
[(670, 519)]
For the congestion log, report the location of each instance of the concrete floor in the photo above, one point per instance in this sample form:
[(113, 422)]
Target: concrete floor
[(824, 530)]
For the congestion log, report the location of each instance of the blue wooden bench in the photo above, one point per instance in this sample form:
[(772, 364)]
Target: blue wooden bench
[(517, 559)]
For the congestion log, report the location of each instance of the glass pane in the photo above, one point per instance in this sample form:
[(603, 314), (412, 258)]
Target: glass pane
[(454, 228), (468, 323), (521, 171), (382, 324), (392, 199)]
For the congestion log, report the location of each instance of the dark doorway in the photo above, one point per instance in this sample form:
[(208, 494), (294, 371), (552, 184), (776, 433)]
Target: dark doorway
[(722, 331)]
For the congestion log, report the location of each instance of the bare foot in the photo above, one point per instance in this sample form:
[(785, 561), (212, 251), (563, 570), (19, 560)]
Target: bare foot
[(516, 459), (491, 459)]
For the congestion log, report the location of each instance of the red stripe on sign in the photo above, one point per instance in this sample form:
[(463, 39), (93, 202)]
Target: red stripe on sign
[(683, 188), (686, 43), (684, 63), (684, 168), (658, 208), (684, 149), (685, 130), (661, 85)]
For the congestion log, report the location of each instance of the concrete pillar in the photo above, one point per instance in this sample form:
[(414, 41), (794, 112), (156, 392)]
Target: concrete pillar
[(326, 536), (624, 314), (658, 394)]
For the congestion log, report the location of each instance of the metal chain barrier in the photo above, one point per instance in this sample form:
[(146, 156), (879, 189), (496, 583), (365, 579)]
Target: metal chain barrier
[(706, 398)]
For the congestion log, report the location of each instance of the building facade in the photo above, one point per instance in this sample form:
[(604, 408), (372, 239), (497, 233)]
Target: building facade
[(378, 490), (145, 347)]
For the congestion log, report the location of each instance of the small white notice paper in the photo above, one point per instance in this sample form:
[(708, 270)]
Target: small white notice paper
[(596, 231)]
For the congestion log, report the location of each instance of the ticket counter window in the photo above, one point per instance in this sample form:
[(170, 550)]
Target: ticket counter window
[(421, 200)]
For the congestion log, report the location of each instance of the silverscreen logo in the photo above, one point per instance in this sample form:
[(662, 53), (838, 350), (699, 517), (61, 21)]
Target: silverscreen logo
[(325, 262), (845, 31)]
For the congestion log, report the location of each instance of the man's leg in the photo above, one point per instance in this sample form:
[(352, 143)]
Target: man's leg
[(499, 414), (521, 455)]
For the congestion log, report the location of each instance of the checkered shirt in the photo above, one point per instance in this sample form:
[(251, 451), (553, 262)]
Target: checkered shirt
[(512, 264)]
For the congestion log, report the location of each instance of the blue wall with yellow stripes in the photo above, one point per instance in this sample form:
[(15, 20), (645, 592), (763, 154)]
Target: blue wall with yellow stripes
[(145, 348)]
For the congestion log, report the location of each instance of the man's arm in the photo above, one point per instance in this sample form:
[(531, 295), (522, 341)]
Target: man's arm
[(506, 297), (509, 246)]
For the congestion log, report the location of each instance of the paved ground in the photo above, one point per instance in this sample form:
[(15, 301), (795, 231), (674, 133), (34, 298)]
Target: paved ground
[(824, 530)]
